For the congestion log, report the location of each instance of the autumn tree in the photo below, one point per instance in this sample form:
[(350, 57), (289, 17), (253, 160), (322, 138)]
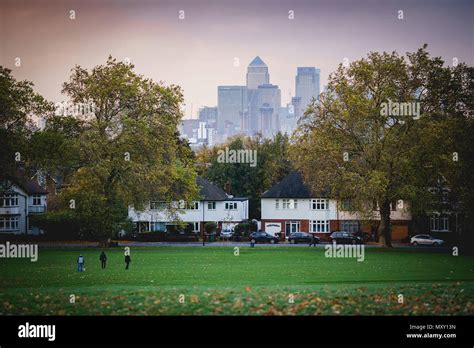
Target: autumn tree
[(127, 151), (365, 140)]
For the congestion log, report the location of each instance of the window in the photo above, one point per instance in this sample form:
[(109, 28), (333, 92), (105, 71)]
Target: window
[(393, 205), (8, 223), (195, 226), (350, 225), (346, 204), (290, 204), (211, 205), (231, 206), (439, 223), (9, 200), (36, 200), (277, 204), (193, 206), (158, 205), (319, 204), (157, 226), (321, 226)]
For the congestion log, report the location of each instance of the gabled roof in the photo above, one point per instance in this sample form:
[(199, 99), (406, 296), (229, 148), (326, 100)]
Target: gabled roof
[(28, 185), (257, 61), (209, 191), (291, 186)]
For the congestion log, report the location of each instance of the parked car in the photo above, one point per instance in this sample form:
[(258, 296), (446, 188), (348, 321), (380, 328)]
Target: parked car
[(343, 237), (262, 237), (425, 239), (227, 234), (301, 237)]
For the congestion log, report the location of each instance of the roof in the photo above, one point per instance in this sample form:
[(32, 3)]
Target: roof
[(257, 61), (28, 185), (209, 191), (291, 186)]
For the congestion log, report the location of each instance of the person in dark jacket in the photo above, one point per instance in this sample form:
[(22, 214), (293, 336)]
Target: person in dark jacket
[(127, 261), (80, 263), (314, 241), (103, 259)]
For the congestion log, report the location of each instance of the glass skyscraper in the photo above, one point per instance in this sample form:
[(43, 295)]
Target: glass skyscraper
[(306, 87)]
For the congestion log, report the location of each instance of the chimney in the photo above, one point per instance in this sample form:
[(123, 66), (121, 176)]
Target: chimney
[(227, 187)]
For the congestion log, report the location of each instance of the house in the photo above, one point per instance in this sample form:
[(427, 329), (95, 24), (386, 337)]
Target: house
[(290, 206), (215, 205), (444, 216), (20, 198)]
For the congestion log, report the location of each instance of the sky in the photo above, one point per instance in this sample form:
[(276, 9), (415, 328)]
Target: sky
[(198, 52)]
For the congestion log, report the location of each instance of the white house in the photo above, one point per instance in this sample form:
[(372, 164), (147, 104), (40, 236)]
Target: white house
[(290, 206), (214, 206), (20, 198)]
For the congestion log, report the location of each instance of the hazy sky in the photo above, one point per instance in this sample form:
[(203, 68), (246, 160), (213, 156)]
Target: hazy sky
[(198, 52)]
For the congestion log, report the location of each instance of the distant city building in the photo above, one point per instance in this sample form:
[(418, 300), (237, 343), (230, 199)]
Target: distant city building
[(209, 115), (288, 121), (257, 73), (187, 127), (269, 102), (231, 110), (264, 100), (306, 87), (197, 133)]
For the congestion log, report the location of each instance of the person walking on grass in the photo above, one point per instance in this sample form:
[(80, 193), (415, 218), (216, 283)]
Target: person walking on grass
[(80, 263), (103, 259), (127, 261), (314, 241)]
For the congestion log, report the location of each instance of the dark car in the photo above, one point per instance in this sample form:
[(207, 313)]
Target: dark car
[(301, 237), (263, 237), (343, 237)]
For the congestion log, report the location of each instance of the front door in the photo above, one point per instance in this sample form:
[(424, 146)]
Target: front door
[(292, 227)]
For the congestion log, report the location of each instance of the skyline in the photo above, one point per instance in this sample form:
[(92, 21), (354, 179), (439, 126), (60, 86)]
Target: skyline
[(198, 52)]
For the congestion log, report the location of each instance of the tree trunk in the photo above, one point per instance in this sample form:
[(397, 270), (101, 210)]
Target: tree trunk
[(385, 229)]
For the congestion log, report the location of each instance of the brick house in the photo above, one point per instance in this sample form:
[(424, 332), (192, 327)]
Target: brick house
[(290, 206)]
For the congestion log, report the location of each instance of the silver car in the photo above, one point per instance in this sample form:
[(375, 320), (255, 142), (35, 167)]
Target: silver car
[(426, 239), (227, 234)]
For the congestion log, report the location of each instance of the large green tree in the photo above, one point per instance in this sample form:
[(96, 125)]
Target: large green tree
[(127, 151), (358, 145), (245, 180)]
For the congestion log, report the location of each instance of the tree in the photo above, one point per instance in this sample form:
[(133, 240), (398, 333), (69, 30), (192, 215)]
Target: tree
[(358, 144), (127, 152), (248, 181), (19, 105)]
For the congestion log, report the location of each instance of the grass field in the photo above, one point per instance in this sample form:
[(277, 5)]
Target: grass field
[(260, 281)]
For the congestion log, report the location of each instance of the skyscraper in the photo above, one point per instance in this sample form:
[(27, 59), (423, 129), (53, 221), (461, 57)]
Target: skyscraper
[(257, 73), (306, 87), (231, 110), (264, 100), (269, 103)]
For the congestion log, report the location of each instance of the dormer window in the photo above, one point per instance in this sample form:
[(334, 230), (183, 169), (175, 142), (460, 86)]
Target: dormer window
[(37, 200)]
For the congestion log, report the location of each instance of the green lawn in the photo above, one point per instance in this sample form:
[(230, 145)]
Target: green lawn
[(260, 280)]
